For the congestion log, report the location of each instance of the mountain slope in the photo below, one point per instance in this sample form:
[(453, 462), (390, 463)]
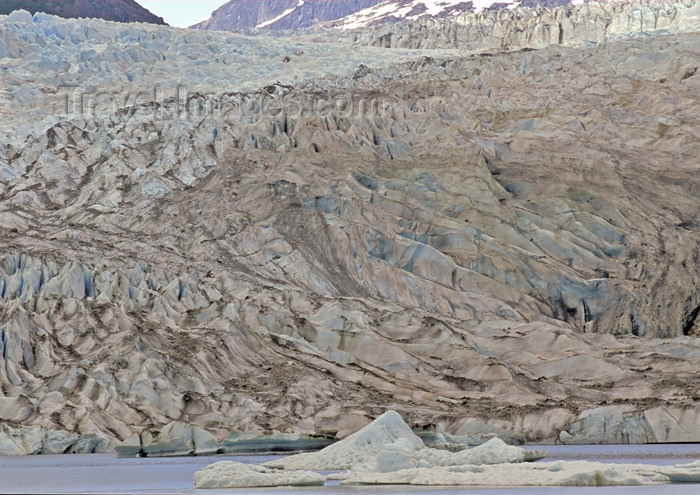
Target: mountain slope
[(280, 14), (346, 14), (566, 25), (409, 10), (110, 10)]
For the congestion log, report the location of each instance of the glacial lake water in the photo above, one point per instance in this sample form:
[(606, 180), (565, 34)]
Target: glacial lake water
[(107, 474)]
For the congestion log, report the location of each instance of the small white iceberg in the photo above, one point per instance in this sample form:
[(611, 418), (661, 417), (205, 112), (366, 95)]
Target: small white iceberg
[(358, 448), (387, 452), (231, 474)]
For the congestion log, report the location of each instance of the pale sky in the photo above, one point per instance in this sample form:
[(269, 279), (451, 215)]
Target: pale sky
[(182, 13)]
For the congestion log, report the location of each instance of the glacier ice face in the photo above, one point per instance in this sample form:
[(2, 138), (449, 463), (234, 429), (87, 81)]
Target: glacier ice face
[(625, 424), (33, 440), (299, 264), (181, 439)]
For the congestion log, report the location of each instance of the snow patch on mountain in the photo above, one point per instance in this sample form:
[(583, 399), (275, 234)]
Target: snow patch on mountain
[(415, 9), (281, 16)]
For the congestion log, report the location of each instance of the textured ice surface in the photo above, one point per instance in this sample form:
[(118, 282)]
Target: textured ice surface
[(48, 61), (357, 448), (559, 473), (457, 256), (232, 474)]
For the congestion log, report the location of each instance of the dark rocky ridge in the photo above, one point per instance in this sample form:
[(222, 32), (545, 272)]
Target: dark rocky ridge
[(109, 10)]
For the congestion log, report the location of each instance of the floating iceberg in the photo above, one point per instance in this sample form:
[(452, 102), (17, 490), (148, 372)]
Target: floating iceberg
[(389, 444), (231, 474), (356, 449), (387, 452), (559, 473), (400, 455)]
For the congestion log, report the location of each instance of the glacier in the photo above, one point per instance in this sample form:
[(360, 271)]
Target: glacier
[(210, 238)]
